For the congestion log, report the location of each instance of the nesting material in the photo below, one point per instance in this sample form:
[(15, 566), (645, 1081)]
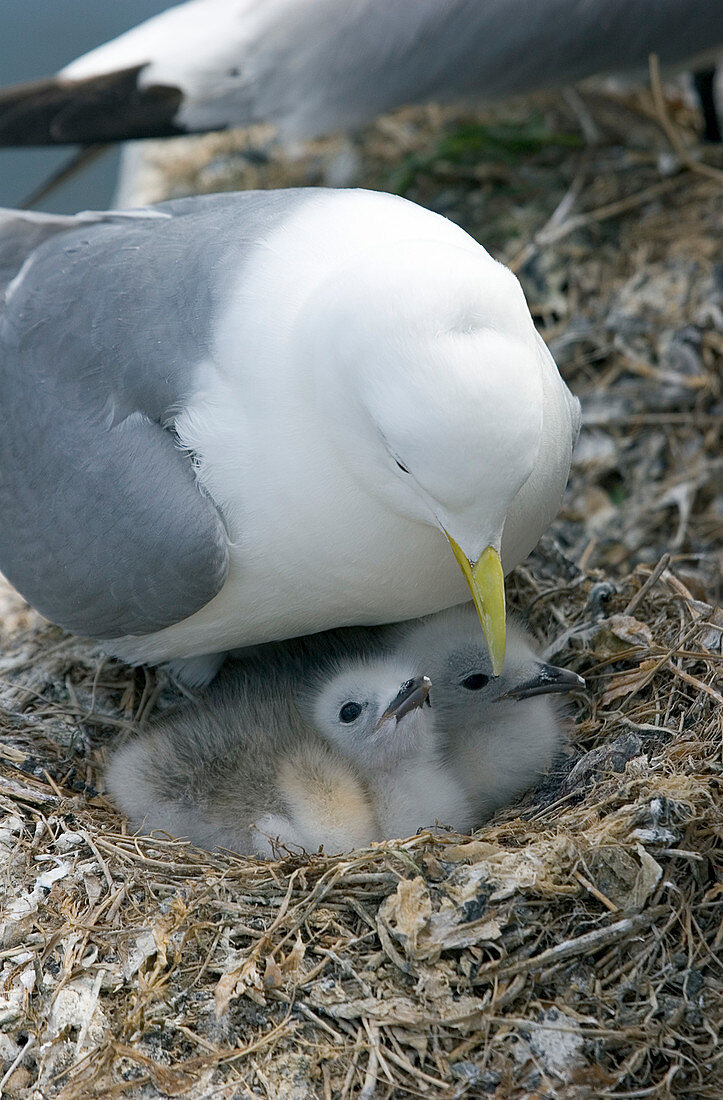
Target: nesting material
[(569, 947)]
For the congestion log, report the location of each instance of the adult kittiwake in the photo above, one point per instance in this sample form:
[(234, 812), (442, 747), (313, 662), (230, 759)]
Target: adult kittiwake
[(237, 418), (313, 66)]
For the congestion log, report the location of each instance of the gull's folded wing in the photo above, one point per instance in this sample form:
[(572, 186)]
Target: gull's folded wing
[(103, 320)]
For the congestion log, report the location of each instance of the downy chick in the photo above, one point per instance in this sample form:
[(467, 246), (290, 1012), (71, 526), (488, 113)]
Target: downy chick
[(241, 769), (498, 734), (389, 732)]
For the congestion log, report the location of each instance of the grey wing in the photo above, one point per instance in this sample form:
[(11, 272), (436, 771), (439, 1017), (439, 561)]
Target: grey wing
[(104, 530), (102, 525), (22, 232)]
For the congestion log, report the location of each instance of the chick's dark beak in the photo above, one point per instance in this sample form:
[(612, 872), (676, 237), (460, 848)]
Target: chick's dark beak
[(414, 693), (548, 678)]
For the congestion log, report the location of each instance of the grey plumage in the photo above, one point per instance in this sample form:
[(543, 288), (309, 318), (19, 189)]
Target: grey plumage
[(500, 734), (242, 770), (103, 527)]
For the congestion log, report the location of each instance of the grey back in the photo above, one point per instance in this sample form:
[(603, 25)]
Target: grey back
[(104, 322)]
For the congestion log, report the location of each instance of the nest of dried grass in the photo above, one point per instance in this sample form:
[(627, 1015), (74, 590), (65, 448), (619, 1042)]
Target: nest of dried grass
[(569, 948)]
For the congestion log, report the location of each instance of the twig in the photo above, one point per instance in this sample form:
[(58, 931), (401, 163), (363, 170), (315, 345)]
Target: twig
[(696, 683), (16, 1062), (590, 941), (653, 672), (318, 1022), (608, 210), (592, 889), (68, 168), (412, 1070), (103, 865), (90, 1009), (26, 794), (370, 1078), (588, 125), (558, 217), (652, 579)]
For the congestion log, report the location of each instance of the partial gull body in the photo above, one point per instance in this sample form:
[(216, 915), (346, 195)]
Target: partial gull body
[(500, 734), (239, 418), (314, 66)]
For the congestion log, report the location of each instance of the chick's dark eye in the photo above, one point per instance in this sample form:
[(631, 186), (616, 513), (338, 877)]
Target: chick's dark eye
[(474, 682), (350, 712), (402, 468)]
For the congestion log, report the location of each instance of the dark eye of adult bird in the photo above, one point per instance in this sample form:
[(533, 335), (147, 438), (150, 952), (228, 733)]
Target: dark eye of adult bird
[(350, 712), (474, 682)]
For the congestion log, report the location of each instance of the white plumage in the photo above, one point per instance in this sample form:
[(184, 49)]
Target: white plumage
[(395, 741), (369, 333)]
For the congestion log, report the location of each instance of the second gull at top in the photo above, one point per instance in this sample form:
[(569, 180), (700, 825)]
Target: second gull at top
[(243, 417)]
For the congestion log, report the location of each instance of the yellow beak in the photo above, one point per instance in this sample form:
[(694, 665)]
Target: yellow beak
[(487, 584)]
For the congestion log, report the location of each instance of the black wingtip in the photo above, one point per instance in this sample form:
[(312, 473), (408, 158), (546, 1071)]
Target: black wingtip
[(105, 108)]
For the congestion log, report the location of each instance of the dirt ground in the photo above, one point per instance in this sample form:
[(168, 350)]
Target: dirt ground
[(568, 949)]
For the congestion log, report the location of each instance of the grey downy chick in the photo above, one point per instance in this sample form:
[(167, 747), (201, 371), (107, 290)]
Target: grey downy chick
[(499, 734), (241, 769), (389, 732)]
